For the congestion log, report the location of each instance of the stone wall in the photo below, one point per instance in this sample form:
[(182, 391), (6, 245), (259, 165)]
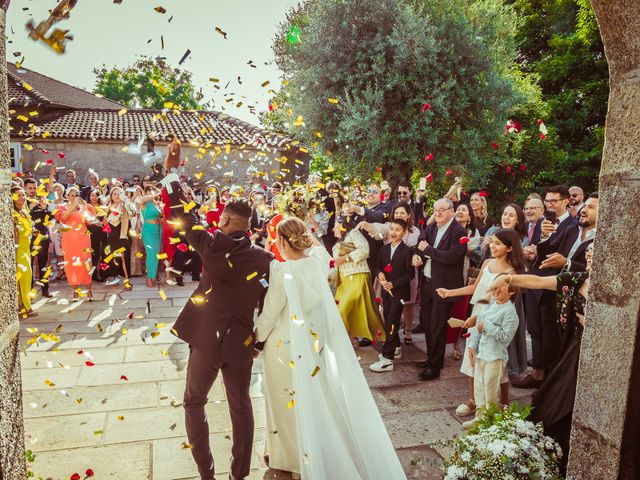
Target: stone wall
[(110, 161), (605, 439), (12, 457)]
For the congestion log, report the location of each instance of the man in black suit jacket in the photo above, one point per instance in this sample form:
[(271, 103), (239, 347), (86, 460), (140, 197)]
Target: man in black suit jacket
[(541, 304), (217, 323), (394, 271), (442, 254), (579, 236), (375, 212)]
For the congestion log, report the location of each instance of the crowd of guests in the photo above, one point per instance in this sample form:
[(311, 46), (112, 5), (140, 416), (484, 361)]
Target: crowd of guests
[(478, 282)]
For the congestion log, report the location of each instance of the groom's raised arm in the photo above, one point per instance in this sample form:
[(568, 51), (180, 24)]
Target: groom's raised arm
[(197, 235)]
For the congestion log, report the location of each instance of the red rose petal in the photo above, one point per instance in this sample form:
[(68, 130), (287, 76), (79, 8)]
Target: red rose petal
[(542, 136), (182, 247), (332, 263), (130, 314), (89, 364), (388, 268), (449, 172), (483, 193), (378, 300), (494, 145), (523, 167), (104, 266), (426, 107), (89, 472), (508, 169), (421, 221), (60, 155), (465, 335), (49, 161), (429, 178), (45, 151), (106, 228), (539, 122), (464, 240), (80, 352), (123, 377), (75, 476), (428, 157)]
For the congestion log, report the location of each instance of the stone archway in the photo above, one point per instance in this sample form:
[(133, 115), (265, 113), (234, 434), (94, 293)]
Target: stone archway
[(605, 439)]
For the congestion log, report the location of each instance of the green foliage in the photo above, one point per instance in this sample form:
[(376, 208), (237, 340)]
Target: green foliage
[(383, 60), (561, 45), (148, 83)]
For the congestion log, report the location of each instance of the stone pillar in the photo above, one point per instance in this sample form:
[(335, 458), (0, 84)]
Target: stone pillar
[(605, 437), (12, 457)]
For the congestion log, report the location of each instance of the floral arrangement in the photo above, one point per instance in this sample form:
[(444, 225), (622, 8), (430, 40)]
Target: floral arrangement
[(503, 445)]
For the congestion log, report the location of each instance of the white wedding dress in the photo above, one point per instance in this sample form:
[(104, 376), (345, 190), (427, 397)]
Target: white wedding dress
[(321, 417)]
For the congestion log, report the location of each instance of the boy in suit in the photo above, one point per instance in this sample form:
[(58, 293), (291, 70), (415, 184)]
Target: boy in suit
[(394, 272)]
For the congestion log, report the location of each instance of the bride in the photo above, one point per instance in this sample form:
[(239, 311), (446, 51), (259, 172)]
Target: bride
[(321, 417)]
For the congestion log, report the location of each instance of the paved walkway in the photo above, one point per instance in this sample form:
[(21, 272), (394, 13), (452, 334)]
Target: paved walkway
[(106, 394)]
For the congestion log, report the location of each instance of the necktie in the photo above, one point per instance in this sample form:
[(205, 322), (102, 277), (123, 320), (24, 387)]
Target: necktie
[(532, 227)]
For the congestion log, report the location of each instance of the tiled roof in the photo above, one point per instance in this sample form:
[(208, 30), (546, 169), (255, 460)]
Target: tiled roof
[(48, 91), (110, 125), (66, 112)]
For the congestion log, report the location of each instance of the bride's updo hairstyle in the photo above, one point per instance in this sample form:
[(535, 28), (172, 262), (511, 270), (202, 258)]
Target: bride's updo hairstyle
[(295, 233)]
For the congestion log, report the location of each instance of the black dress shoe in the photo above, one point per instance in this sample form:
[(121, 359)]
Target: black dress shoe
[(418, 329), (429, 374), (180, 281), (195, 278), (422, 364), (365, 342), (527, 382), (46, 294)]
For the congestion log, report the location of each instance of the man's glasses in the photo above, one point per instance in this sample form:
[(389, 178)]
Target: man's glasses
[(553, 201), (574, 195), (376, 192), (404, 194)]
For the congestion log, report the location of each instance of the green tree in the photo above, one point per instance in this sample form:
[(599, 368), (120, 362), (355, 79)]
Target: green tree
[(148, 83), (406, 86), (560, 44)]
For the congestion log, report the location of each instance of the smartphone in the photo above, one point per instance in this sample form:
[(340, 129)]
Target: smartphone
[(551, 216), (423, 184)]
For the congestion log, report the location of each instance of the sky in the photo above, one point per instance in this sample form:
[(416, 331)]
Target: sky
[(115, 35)]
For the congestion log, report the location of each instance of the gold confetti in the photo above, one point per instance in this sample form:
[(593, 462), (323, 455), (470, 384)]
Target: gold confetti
[(291, 404), (335, 101), (186, 445), (155, 334), (120, 418), (122, 112), (163, 295), (291, 364), (252, 275), (124, 331), (248, 340), (315, 371), (160, 325), (264, 84), (161, 256), (49, 383), (98, 432), (160, 10)]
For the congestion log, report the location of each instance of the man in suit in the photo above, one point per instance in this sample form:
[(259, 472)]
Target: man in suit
[(72, 182), (580, 236), (218, 325), (394, 271), (533, 211), (258, 217), (40, 241), (442, 254), (405, 190), (375, 212), (541, 304)]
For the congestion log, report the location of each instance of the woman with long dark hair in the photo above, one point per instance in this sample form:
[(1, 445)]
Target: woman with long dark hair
[(507, 257), (117, 224), (513, 218), (97, 234)]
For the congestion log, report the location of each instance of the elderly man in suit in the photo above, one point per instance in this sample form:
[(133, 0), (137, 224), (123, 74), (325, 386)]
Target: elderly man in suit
[(217, 323), (442, 254)]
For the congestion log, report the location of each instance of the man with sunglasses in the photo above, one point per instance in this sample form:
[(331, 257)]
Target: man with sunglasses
[(576, 201)]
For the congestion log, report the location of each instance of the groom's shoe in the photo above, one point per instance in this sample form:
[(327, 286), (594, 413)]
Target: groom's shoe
[(423, 364), (382, 365), (429, 373)]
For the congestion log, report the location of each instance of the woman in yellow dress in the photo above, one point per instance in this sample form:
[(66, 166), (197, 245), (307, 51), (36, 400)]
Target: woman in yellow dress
[(355, 302), (22, 233)]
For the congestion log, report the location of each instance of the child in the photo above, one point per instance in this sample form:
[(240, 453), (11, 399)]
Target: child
[(394, 272), (496, 327)]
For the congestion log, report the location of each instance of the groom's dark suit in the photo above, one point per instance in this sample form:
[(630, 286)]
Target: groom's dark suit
[(217, 323)]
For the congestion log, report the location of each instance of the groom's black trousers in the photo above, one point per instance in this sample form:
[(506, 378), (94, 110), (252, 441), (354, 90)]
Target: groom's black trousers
[(202, 371)]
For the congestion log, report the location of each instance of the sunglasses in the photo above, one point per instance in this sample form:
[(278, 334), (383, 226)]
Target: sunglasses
[(404, 194)]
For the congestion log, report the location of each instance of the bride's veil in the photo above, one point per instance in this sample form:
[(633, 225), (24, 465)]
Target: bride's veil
[(340, 431)]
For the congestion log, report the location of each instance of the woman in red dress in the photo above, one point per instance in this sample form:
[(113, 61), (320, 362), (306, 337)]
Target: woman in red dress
[(212, 208)]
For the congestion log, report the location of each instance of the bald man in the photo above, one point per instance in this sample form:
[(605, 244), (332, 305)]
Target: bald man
[(576, 201)]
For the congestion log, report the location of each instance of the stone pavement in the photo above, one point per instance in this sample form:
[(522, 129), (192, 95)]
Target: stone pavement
[(107, 393)]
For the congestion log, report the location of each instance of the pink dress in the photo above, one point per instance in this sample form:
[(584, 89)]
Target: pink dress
[(76, 245)]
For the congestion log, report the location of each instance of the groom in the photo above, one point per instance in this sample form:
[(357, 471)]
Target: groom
[(217, 323)]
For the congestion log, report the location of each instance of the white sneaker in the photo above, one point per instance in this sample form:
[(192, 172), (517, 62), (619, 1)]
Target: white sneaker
[(470, 423), (464, 410), (396, 355), (383, 365)]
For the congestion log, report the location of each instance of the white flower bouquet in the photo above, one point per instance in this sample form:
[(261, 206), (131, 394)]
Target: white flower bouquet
[(503, 445)]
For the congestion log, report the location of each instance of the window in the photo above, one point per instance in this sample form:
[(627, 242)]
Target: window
[(15, 153)]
